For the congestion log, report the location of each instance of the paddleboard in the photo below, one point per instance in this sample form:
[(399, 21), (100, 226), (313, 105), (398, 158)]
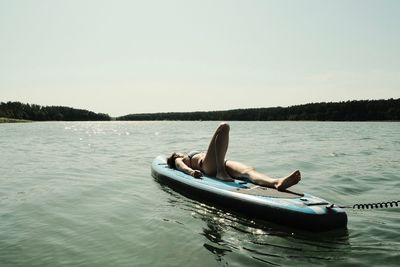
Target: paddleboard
[(294, 209)]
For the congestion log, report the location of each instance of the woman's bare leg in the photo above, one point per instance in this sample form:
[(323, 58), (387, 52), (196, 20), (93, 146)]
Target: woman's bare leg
[(214, 160), (238, 170)]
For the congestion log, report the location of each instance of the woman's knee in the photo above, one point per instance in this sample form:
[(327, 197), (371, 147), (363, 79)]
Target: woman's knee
[(224, 127)]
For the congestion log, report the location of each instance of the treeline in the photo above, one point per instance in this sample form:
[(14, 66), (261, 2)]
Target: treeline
[(363, 110), (17, 110)]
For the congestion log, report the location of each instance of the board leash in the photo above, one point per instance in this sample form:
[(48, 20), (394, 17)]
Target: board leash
[(378, 205)]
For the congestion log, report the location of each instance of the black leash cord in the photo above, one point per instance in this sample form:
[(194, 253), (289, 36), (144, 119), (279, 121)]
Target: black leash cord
[(379, 205)]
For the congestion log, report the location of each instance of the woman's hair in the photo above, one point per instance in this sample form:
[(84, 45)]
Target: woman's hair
[(171, 160)]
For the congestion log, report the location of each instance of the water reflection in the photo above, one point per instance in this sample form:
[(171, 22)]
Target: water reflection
[(217, 247)]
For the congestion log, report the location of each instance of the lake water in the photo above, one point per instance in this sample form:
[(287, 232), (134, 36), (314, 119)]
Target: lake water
[(81, 194)]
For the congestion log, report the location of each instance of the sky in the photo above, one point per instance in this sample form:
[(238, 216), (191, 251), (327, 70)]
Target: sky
[(122, 57)]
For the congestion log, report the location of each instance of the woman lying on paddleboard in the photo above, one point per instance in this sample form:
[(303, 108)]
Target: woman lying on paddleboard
[(213, 163)]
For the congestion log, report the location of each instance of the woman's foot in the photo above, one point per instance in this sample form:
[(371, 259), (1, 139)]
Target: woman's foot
[(224, 177), (286, 182)]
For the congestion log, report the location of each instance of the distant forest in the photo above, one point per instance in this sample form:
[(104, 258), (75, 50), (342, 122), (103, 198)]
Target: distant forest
[(17, 110), (363, 110)]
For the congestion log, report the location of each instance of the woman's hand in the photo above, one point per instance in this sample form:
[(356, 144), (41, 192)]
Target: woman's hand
[(180, 165), (196, 173)]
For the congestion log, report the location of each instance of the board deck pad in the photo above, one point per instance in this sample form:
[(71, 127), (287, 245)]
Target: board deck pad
[(267, 192)]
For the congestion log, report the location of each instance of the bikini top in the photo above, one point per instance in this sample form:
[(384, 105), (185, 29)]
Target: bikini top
[(191, 154)]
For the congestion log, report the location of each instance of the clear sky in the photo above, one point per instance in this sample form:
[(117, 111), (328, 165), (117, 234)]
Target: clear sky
[(121, 57)]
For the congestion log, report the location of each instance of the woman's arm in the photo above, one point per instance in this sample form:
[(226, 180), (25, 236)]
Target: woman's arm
[(180, 165)]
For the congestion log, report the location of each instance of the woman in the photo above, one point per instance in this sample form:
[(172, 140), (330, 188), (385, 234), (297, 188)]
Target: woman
[(213, 163)]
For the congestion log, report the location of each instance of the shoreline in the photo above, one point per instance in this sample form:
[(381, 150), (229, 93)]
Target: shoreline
[(9, 120)]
